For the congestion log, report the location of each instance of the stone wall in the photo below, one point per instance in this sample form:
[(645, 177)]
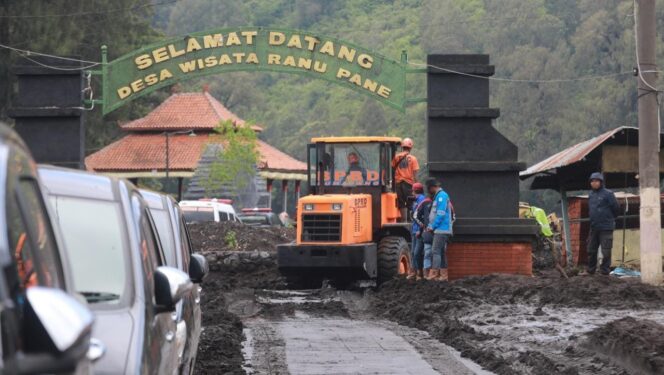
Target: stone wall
[(220, 260)]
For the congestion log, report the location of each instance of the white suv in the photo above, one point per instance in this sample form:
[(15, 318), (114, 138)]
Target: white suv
[(208, 210)]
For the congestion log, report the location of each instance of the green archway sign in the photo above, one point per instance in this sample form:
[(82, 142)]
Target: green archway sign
[(252, 49)]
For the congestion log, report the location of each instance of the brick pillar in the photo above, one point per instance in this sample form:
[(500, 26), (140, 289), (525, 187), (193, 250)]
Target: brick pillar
[(478, 167)]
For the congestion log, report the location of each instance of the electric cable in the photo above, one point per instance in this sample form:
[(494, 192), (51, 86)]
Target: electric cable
[(504, 79), (77, 14), (24, 51), (640, 73)]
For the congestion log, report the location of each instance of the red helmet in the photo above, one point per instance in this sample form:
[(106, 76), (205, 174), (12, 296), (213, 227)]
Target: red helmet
[(417, 187), (407, 143)]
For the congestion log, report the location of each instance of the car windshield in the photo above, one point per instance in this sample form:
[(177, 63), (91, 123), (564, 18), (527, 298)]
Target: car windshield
[(95, 242), (198, 214), (165, 233), (348, 164), (255, 219)]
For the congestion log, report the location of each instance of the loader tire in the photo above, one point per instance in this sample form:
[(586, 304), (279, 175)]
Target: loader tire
[(393, 258)]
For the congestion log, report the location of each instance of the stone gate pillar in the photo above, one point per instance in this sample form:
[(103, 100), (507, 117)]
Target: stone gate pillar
[(478, 167), (47, 109)]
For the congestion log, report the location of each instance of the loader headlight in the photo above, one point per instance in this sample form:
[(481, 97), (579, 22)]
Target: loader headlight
[(309, 207), (336, 206)]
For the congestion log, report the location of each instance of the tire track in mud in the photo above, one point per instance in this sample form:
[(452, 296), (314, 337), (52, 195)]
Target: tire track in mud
[(329, 332), (520, 325)]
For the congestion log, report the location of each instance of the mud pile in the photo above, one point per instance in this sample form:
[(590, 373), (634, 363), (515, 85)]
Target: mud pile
[(637, 345), (220, 347), (524, 325), (231, 236), (607, 292)]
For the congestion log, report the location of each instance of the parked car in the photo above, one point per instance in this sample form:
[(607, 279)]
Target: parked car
[(260, 217), (35, 280), (208, 210), (119, 268), (175, 242)]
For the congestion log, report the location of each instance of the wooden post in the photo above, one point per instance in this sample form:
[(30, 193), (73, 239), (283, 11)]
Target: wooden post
[(269, 191), (284, 187), (180, 180), (566, 230)]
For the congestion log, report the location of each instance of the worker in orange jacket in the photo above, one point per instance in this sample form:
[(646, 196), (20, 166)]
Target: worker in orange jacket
[(405, 167)]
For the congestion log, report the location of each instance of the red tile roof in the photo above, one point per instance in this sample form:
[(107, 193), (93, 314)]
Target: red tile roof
[(276, 160), (147, 152), (183, 111)]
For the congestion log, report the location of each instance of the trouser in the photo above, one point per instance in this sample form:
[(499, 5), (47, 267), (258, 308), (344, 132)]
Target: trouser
[(428, 256), (417, 253), (439, 249), (597, 239), (404, 190)]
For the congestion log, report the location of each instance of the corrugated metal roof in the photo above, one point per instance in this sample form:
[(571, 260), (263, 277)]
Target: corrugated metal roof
[(572, 154)]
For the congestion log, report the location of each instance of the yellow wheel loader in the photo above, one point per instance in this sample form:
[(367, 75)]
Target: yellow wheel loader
[(349, 226)]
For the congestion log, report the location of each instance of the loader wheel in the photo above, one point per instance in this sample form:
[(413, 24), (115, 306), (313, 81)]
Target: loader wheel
[(393, 258)]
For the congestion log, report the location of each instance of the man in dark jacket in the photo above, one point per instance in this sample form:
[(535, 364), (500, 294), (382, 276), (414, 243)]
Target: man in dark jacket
[(604, 209)]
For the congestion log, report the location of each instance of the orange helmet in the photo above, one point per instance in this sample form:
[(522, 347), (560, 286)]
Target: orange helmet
[(407, 143)]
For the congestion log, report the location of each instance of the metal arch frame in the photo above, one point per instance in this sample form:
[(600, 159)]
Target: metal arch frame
[(383, 69)]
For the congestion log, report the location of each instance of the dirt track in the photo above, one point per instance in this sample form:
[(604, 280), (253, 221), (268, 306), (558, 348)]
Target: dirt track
[(506, 324)]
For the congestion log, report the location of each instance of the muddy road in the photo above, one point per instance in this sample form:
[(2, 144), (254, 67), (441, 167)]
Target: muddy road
[(256, 323)]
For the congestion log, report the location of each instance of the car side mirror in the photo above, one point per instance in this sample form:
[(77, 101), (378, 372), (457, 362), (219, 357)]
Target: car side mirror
[(57, 330), (198, 268), (170, 285)]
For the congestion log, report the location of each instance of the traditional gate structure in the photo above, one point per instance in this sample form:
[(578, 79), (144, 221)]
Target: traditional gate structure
[(476, 164)]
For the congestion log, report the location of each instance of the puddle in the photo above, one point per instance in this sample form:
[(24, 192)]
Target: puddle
[(247, 350)]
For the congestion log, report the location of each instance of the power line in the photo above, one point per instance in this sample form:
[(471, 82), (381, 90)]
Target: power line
[(59, 67), (503, 79), (636, 44), (26, 53), (91, 12)]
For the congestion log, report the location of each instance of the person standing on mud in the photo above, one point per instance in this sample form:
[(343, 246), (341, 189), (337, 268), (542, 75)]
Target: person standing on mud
[(417, 247), (405, 167), (440, 224), (604, 210)]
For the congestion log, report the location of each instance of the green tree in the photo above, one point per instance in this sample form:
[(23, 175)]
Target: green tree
[(237, 160)]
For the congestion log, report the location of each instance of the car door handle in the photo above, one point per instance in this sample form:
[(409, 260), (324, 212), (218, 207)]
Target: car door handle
[(96, 350), (169, 336)]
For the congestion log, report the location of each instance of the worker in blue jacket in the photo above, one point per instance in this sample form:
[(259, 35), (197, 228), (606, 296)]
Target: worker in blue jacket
[(417, 250), (604, 210), (440, 224)]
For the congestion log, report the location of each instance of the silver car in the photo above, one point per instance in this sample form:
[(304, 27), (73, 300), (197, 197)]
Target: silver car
[(43, 329), (174, 239), (119, 268)]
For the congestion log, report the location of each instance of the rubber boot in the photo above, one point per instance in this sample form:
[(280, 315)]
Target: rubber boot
[(443, 275), (420, 275), (433, 274), (411, 274)]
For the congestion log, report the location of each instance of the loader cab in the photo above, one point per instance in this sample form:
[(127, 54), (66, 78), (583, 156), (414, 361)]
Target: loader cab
[(357, 167), (346, 165)]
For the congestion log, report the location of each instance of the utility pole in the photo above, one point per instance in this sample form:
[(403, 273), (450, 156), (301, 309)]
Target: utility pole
[(650, 216)]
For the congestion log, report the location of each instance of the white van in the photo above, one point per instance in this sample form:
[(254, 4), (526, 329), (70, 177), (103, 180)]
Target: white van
[(208, 210)]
